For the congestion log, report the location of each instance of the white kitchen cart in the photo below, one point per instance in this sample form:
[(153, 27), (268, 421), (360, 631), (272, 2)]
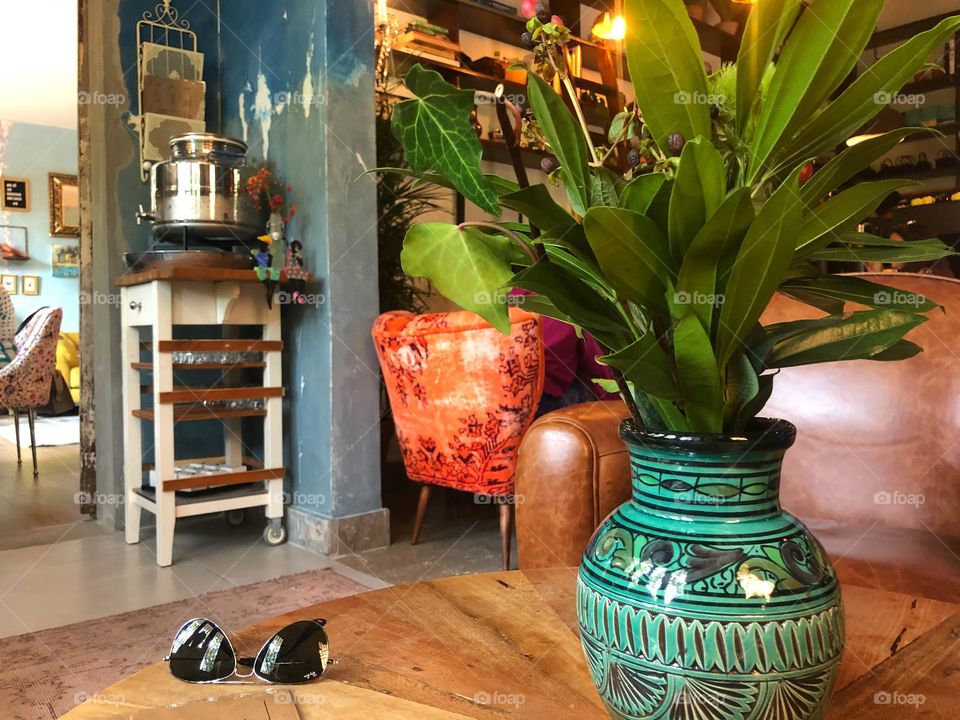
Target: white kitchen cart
[(158, 300)]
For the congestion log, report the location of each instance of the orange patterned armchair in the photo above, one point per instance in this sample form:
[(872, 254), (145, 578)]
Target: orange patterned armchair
[(25, 383), (462, 396)]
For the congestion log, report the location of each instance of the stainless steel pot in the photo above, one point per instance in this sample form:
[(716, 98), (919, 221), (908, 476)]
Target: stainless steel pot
[(200, 192)]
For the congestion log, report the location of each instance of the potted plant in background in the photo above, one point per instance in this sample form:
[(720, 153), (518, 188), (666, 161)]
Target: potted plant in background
[(699, 597)]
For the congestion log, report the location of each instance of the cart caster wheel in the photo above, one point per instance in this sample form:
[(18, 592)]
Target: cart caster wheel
[(234, 518), (275, 535)]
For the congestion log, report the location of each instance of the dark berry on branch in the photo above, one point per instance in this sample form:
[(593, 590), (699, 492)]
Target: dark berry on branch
[(633, 157), (806, 173), (676, 143), (714, 112), (543, 15), (549, 165), (527, 41), (645, 134)]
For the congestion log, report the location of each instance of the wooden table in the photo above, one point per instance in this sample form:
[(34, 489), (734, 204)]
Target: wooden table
[(503, 645)]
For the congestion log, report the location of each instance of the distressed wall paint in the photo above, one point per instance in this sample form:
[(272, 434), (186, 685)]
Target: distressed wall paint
[(311, 115)]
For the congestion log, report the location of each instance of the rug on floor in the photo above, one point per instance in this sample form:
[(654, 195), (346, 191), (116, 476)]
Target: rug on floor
[(49, 431), (44, 674)]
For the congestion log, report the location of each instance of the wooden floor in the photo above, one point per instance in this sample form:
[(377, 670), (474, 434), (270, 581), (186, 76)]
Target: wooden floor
[(34, 509)]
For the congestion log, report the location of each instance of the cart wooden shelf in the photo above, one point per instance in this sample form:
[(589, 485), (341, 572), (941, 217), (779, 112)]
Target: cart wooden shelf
[(157, 301)]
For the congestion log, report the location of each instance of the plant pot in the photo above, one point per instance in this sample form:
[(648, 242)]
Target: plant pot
[(700, 596)]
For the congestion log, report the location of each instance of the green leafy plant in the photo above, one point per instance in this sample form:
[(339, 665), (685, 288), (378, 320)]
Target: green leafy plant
[(671, 265)]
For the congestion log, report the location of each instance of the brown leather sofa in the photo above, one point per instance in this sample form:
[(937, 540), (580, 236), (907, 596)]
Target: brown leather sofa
[(875, 471)]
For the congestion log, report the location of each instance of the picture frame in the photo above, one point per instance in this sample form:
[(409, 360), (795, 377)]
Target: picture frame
[(9, 283), (15, 194), (30, 284), (13, 242), (65, 260), (64, 205)]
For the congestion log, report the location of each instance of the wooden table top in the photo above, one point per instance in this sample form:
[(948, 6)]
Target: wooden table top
[(181, 272), (504, 645)]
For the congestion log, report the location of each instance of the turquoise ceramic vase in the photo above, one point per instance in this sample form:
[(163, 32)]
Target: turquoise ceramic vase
[(700, 597)]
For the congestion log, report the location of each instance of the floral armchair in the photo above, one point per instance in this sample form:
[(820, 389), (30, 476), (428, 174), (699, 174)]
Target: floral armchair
[(462, 396), (8, 326), (25, 383)]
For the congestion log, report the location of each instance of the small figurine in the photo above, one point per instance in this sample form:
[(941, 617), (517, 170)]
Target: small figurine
[(266, 273), (295, 273)]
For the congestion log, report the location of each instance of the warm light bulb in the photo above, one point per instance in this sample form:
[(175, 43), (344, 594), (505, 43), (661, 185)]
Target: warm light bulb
[(607, 29)]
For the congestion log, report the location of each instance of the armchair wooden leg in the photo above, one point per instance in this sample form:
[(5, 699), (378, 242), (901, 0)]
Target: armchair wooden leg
[(506, 523), (421, 512), (33, 441), (16, 429)]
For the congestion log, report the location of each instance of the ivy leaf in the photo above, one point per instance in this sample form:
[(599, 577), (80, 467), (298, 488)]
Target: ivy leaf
[(465, 265), (435, 131)]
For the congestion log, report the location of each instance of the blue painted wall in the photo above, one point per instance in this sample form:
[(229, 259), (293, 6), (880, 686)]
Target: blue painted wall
[(31, 151)]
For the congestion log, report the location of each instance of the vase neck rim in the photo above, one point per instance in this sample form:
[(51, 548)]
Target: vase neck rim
[(763, 434)]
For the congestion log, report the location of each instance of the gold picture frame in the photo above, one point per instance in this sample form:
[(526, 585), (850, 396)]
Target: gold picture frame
[(9, 283), (64, 205), (30, 284)]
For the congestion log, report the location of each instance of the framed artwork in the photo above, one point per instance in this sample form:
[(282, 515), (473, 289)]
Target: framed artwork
[(64, 205), (9, 283), (30, 284), (15, 194), (65, 260), (13, 242)]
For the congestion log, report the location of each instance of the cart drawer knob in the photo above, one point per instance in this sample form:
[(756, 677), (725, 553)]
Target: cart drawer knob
[(134, 305)]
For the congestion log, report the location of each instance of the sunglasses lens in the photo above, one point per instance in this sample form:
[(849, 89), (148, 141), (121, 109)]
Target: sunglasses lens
[(297, 653), (201, 652)]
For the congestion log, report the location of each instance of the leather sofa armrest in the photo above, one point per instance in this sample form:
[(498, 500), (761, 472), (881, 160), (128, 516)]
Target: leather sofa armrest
[(573, 471)]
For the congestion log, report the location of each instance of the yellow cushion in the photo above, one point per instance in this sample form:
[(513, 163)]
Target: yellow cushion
[(74, 380)]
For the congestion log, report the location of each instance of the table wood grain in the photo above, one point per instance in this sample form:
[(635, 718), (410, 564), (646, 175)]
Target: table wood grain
[(504, 645)]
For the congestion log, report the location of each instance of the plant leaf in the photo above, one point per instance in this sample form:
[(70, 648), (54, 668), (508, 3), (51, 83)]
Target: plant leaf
[(864, 99), (632, 253), (574, 298), (721, 235), (767, 26), (852, 161), (565, 138), (641, 191), (823, 48), (846, 288), (698, 190), (824, 223), (860, 247), (741, 386), (858, 337), (603, 188), (435, 131), (699, 376), (764, 257), (644, 363), (465, 265), (666, 67)]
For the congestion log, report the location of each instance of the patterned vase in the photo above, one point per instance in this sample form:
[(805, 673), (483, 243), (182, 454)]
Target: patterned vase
[(700, 597)]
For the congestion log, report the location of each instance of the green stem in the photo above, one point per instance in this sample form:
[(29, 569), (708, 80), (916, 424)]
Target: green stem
[(524, 245), (571, 91)]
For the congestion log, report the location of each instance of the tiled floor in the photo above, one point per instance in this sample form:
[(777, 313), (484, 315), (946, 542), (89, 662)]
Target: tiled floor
[(57, 567)]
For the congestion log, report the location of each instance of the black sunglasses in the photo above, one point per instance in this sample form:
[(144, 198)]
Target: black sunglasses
[(202, 653)]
